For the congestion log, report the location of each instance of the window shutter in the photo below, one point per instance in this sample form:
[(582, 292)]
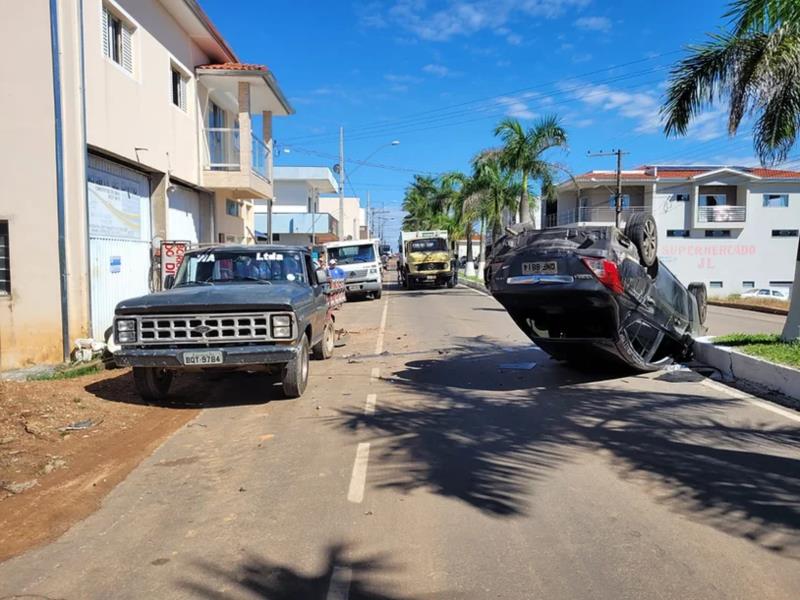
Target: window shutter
[(127, 49), (106, 44)]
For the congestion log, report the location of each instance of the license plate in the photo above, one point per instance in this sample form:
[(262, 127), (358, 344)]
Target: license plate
[(549, 267), (213, 357), (430, 277)]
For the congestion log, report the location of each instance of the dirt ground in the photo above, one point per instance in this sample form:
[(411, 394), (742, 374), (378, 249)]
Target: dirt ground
[(64, 444)]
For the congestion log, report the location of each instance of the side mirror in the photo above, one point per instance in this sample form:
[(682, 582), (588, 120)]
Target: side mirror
[(322, 276), (169, 282)]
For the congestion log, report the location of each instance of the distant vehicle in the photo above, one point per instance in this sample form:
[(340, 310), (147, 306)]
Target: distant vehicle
[(228, 308), (360, 261), (385, 249), (587, 293), (768, 292), (426, 257)]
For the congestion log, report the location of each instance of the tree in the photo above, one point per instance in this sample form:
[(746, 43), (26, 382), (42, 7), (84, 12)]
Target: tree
[(522, 153), (755, 69)]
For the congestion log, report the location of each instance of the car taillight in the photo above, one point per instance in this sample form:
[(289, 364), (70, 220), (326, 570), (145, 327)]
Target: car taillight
[(606, 272)]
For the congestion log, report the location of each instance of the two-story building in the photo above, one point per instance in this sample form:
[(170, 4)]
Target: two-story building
[(130, 122), (733, 228)]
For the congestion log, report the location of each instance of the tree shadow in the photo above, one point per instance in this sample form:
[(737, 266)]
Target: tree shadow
[(260, 577), (196, 390), (488, 437)]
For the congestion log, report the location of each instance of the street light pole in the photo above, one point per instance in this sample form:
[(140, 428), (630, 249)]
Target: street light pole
[(341, 184)]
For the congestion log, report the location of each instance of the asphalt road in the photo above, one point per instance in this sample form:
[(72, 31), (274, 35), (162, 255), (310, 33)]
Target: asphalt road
[(722, 320), (447, 458)]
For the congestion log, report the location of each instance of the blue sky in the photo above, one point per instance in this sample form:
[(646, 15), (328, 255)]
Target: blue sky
[(438, 75)]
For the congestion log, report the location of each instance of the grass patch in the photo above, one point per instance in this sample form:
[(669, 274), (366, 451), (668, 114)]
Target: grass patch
[(69, 371), (763, 345), (754, 301)]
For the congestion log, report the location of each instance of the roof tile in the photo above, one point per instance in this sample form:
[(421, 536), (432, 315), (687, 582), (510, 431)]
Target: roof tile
[(231, 66)]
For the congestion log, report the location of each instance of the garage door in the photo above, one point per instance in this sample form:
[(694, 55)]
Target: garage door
[(119, 237), (184, 221)]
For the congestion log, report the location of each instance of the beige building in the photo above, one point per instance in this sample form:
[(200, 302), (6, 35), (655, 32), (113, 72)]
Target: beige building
[(354, 216), (145, 127)]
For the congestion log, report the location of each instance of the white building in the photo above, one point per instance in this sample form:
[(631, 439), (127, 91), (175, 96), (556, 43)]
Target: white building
[(354, 215), (733, 228)]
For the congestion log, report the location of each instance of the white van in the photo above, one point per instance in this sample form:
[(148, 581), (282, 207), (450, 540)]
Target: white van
[(361, 262)]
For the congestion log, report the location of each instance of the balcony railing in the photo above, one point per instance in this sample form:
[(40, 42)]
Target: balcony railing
[(721, 214), (598, 214), (259, 160), (223, 149)]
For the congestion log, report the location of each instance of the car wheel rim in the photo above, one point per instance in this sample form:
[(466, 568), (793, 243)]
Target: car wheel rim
[(304, 367), (329, 338)]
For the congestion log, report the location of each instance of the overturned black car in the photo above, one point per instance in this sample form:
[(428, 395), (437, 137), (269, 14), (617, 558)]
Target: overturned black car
[(588, 294)]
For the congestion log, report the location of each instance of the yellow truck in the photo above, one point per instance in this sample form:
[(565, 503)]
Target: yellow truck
[(426, 258)]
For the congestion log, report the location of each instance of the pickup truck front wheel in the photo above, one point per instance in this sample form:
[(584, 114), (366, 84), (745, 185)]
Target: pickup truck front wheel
[(295, 373), (152, 383), (323, 349)]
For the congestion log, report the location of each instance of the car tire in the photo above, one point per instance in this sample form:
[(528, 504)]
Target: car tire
[(152, 383), (323, 350), (294, 376), (377, 294), (641, 229), (700, 293)]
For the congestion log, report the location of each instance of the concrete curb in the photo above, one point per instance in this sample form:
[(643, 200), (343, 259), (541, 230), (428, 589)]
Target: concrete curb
[(472, 284), (762, 309), (735, 365)]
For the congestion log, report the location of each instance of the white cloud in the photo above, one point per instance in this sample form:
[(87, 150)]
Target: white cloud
[(445, 19), (594, 24), (514, 39), (515, 106), (437, 70)]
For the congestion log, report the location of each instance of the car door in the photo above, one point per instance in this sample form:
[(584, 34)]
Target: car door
[(320, 299)]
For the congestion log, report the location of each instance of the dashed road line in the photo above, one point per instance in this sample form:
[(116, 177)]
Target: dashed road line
[(382, 330), (374, 375), (369, 405), (339, 586), (358, 479)]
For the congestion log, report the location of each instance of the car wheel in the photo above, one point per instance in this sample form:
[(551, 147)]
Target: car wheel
[(323, 349), (152, 383), (642, 231), (700, 293), (377, 295), (295, 373)]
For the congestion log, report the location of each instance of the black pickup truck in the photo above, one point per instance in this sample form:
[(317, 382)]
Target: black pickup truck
[(259, 307)]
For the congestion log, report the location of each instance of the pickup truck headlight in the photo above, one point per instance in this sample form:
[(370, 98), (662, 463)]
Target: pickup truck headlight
[(125, 331), (373, 271), (281, 326)]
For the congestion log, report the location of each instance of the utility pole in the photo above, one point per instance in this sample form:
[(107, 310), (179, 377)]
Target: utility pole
[(341, 184), (618, 196), (369, 229)]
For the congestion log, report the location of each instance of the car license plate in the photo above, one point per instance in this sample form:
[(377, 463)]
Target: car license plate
[(430, 277), (549, 267), (213, 357)]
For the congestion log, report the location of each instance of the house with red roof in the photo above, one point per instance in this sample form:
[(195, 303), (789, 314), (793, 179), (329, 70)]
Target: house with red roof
[(134, 122), (733, 227)]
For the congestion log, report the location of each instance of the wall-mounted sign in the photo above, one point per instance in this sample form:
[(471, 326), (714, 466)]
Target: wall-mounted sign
[(172, 253), (115, 264)]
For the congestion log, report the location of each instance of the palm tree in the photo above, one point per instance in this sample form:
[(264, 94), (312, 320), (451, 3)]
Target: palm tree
[(522, 153), (420, 203), (755, 69)]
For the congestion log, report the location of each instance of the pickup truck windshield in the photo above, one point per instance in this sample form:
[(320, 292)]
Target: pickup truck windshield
[(429, 245), (222, 266), (348, 255)]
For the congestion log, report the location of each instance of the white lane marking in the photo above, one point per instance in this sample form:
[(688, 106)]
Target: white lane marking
[(339, 586), (359, 477), (369, 406), (480, 293), (374, 375), (740, 395), (382, 330)]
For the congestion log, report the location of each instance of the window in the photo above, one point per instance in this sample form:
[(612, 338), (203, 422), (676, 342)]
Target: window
[(713, 200), (776, 200), (785, 233), (5, 265), (233, 208), (718, 233), (678, 233), (681, 197), (626, 201), (715, 284), (748, 285), (117, 44), (781, 283), (179, 81)]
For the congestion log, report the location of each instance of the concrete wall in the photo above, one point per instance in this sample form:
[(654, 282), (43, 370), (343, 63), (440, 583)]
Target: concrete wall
[(352, 213)]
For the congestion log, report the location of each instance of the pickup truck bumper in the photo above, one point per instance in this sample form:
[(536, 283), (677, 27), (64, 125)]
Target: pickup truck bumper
[(232, 356), (358, 287)]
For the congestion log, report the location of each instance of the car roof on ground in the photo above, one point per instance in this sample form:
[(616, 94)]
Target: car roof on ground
[(252, 248)]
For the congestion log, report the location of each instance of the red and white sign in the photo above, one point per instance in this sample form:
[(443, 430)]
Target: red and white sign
[(171, 257)]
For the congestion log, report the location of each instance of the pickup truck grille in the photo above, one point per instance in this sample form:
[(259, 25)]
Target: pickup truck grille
[(432, 266), (356, 274), (223, 328)]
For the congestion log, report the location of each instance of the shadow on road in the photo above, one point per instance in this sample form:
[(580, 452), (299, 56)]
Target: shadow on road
[(196, 390), (464, 427), (262, 578)]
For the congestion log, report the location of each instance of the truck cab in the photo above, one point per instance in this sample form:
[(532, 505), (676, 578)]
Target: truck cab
[(360, 261), (426, 258)]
